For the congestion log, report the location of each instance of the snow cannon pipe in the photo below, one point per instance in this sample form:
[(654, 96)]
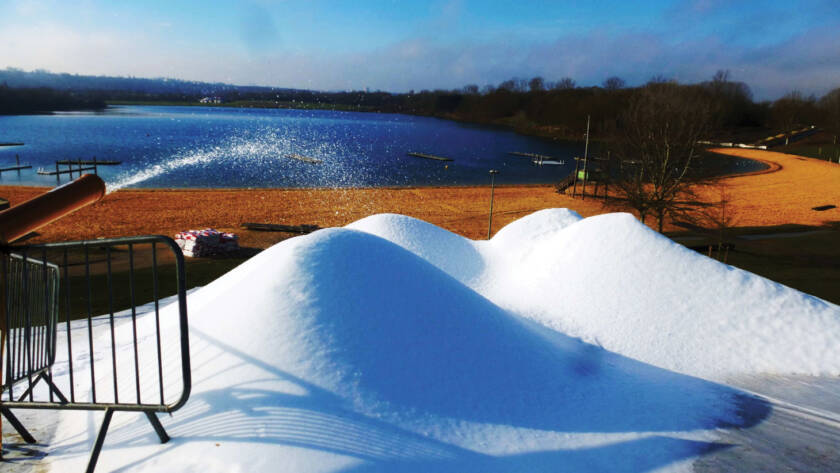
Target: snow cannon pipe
[(33, 214)]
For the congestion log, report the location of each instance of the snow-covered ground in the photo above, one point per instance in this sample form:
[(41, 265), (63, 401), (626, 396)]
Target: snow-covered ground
[(562, 344)]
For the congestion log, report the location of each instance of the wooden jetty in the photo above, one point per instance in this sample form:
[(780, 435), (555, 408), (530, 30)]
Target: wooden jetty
[(429, 156), (274, 227), (531, 155), (82, 165), (94, 162), (305, 159), (17, 167)]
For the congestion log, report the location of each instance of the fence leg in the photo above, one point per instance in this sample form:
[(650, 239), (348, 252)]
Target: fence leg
[(100, 440), (21, 430), (54, 388), (157, 426), (31, 387), (2, 344)]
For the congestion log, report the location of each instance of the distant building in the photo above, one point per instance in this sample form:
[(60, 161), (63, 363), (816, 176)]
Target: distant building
[(211, 100)]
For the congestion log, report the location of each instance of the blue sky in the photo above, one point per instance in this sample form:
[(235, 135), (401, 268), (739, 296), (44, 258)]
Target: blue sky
[(773, 46)]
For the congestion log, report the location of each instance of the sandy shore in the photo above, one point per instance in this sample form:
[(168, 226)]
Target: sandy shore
[(784, 194)]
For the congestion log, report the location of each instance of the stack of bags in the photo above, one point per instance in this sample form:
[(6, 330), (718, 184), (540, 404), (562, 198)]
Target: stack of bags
[(195, 243)]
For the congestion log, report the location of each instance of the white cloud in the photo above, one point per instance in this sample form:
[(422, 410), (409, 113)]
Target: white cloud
[(809, 62)]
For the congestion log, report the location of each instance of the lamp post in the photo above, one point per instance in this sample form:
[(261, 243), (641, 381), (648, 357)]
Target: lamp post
[(493, 173)]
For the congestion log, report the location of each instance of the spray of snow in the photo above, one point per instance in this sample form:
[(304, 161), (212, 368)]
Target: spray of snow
[(263, 149)]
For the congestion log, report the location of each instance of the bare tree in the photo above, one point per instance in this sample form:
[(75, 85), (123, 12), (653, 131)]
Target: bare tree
[(537, 84), (721, 76), (830, 105), (509, 85), (735, 101), (471, 89), (721, 216), (657, 144), (614, 83), (564, 84), (660, 79), (790, 111), (514, 85)]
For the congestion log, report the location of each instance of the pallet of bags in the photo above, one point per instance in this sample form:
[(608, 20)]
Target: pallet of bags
[(229, 241), (197, 243)]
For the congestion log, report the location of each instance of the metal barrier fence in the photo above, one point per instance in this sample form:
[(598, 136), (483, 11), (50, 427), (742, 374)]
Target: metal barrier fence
[(30, 317), (71, 317)]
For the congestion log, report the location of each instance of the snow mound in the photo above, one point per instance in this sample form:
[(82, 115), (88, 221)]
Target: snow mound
[(458, 256), (342, 351), (614, 282), (353, 314), (533, 228)]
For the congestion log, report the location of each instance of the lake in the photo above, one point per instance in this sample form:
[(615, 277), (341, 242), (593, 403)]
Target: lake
[(237, 147)]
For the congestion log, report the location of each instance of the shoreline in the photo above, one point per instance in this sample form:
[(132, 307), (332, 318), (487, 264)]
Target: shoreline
[(259, 189), (774, 196)]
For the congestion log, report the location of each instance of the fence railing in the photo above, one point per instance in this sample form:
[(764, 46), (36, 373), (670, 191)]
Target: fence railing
[(83, 328)]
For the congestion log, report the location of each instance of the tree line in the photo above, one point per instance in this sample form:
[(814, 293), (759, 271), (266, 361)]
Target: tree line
[(556, 109), (559, 109), (14, 101)]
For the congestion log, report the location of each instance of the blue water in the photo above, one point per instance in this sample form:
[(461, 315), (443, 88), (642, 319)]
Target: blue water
[(231, 147)]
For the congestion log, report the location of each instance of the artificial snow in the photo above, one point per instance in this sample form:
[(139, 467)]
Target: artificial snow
[(613, 282), (393, 345)]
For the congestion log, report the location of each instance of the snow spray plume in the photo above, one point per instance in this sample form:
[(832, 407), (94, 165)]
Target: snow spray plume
[(265, 149)]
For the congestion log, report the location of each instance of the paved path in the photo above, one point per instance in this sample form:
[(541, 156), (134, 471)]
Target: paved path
[(801, 434)]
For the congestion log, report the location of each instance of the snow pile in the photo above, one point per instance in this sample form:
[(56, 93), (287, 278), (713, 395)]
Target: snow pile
[(614, 282), (207, 242), (343, 351)]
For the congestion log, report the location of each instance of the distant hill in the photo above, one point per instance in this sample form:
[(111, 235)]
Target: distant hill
[(15, 101), (17, 78)]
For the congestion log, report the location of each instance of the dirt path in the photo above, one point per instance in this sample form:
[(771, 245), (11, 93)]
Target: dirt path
[(785, 193)]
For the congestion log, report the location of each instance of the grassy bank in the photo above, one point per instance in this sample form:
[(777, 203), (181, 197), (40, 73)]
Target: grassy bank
[(824, 151), (802, 257), (799, 256)]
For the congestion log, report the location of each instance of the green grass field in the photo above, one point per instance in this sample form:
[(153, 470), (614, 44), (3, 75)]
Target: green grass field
[(802, 257), (825, 151), (798, 256)]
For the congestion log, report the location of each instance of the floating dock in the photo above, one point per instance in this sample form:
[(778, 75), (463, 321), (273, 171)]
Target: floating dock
[(429, 156), (44, 172), (539, 159), (305, 159)]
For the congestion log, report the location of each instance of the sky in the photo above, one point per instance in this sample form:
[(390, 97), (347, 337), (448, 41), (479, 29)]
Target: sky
[(774, 46)]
